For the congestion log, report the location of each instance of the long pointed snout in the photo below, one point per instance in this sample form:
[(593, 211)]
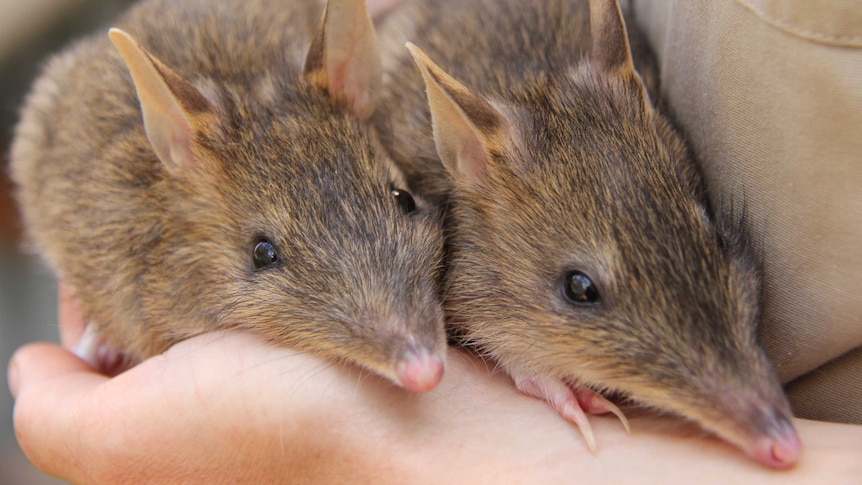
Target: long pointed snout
[(745, 405), (414, 349), (758, 421)]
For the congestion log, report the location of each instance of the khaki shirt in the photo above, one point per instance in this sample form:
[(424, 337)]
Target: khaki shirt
[(769, 95)]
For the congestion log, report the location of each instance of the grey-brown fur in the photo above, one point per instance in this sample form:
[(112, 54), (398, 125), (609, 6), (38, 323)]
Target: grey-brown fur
[(157, 255), (591, 179), (455, 36)]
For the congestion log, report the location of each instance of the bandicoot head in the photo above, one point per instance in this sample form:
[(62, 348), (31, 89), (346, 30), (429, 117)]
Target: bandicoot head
[(583, 250)]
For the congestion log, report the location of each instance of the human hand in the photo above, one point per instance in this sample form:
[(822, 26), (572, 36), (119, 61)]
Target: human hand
[(226, 407)]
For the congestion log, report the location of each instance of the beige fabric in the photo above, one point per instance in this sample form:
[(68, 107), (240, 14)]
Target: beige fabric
[(832, 392), (769, 93)]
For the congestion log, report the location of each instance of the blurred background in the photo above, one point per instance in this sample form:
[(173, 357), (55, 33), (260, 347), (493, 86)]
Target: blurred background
[(29, 31)]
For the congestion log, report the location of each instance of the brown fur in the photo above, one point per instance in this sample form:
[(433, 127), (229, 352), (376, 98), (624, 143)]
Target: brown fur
[(592, 178), (157, 253)]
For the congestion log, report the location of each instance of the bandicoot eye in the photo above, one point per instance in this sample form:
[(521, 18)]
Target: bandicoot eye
[(264, 254), (579, 289), (404, 199)]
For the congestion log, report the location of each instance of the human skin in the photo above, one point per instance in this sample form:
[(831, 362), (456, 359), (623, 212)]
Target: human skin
[(228, 408)]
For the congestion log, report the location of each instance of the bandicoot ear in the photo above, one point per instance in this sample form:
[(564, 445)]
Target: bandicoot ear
[(343, 59), (610, 52), (610, 44), (172, 108), (467, 129)]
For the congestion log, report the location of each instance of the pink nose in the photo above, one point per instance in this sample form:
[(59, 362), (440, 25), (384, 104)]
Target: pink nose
[(781, 449), (420, 372)]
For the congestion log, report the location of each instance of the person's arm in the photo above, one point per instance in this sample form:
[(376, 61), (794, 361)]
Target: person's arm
[(225, 407)]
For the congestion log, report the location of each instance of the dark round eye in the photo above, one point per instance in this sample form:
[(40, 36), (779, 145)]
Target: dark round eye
[(579, 289), (264, 254), (404, 199)]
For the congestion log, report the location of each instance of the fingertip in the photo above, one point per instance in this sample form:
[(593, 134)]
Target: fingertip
[(37, 362)]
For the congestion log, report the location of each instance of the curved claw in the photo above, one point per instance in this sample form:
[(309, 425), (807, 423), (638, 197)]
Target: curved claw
[(95, 352), (573, 412), (594, 403), (560, 396), (88, 347)]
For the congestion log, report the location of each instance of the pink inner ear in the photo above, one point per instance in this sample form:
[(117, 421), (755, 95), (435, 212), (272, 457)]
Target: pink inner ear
[(344, 79), (352, 86), (472, 160), (181, 146), (352, 60), (341, 53), (337, 71), (170, 133)]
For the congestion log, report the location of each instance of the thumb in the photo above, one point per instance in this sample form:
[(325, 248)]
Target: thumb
[(40, 363), (50, 386)]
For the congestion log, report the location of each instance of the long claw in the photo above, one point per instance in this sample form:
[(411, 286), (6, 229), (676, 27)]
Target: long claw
[(622, 417), (573, 412), (594, 403), (87, 348), (560, 396), (95, 352)]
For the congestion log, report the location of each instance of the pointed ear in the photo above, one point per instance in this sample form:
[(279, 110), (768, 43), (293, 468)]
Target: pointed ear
[(343, 59), (173, 109), (467, 129), (610, 44)]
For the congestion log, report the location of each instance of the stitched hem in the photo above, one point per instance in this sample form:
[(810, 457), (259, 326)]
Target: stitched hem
[(813, 35)]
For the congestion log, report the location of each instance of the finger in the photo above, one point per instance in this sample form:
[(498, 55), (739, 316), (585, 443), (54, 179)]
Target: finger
[(51, 386), (71, 319)]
